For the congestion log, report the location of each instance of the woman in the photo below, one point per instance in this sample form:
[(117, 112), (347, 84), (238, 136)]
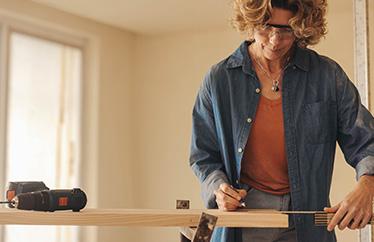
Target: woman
[(266, 121)]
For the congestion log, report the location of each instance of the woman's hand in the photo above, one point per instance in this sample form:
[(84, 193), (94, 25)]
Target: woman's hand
[(356, 209), (228, 198)]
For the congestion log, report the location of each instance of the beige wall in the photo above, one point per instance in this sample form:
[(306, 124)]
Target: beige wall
[(147, 89), (169, 72), (115, 172)]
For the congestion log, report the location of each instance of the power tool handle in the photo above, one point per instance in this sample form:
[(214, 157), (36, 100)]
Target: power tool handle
[(74, 199)]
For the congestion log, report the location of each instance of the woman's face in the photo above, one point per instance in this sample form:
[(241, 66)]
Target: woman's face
[(276, 38)]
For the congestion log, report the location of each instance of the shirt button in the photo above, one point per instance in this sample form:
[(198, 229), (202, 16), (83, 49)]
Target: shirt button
[(240, 150), (258, 90), (249, 120), (294, 67)]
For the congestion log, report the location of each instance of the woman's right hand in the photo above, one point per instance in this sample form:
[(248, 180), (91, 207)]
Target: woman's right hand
[(228, 198)]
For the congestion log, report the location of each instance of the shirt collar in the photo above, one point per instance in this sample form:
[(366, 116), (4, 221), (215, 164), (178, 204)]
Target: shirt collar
[(236, 59), (240, 57), (301, 59)]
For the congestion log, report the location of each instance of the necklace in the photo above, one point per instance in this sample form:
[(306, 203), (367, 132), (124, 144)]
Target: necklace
[(275, 82)]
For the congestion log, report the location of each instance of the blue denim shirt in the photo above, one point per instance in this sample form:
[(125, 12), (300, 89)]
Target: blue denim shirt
[(320, 106)]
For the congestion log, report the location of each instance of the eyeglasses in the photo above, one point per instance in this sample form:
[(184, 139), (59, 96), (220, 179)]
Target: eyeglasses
[(268, 30)]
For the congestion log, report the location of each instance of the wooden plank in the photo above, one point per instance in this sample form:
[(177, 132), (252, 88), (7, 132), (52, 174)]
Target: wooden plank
[(145, 217)]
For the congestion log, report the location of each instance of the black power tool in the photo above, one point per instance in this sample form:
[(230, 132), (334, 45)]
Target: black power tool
[(16, 188), (51, 200), (31, 195)]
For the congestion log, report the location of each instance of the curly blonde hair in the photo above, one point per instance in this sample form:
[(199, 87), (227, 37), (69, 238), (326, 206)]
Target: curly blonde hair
[(308, 23)]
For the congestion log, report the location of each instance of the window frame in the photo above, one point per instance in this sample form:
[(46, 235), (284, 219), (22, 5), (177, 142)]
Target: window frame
[(89, 44), (363, 75)]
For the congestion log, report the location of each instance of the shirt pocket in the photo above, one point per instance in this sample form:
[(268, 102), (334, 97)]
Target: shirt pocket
[(318, 120)]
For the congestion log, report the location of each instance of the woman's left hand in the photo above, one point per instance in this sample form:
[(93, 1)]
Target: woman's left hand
[(356, 209)]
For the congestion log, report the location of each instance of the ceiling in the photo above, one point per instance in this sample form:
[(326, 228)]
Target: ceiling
[(150, 16)]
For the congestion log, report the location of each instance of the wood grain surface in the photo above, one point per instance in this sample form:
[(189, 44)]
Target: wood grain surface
[(145, 217)]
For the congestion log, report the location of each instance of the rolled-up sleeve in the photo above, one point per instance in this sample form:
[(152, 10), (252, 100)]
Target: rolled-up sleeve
[(205, 158), (355, 127)]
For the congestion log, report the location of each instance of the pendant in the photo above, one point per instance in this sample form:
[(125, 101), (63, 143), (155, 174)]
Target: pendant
[(275, 86)]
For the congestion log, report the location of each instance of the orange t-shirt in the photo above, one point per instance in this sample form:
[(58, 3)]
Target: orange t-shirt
[(264, 163)]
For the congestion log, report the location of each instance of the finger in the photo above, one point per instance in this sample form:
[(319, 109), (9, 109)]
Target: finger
[(219, 196), (230, 201), (225, 200), (220, 202), (226, 206), (347, 219), (242, 193), (336, 218), (221, 205), (365, 220), (356, 221), (332, 209), (229, 190)]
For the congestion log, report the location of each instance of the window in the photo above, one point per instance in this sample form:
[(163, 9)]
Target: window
[(43, 117)]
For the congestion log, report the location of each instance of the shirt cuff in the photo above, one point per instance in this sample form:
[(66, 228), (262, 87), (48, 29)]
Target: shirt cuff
[(365, 167), (211, 184)]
